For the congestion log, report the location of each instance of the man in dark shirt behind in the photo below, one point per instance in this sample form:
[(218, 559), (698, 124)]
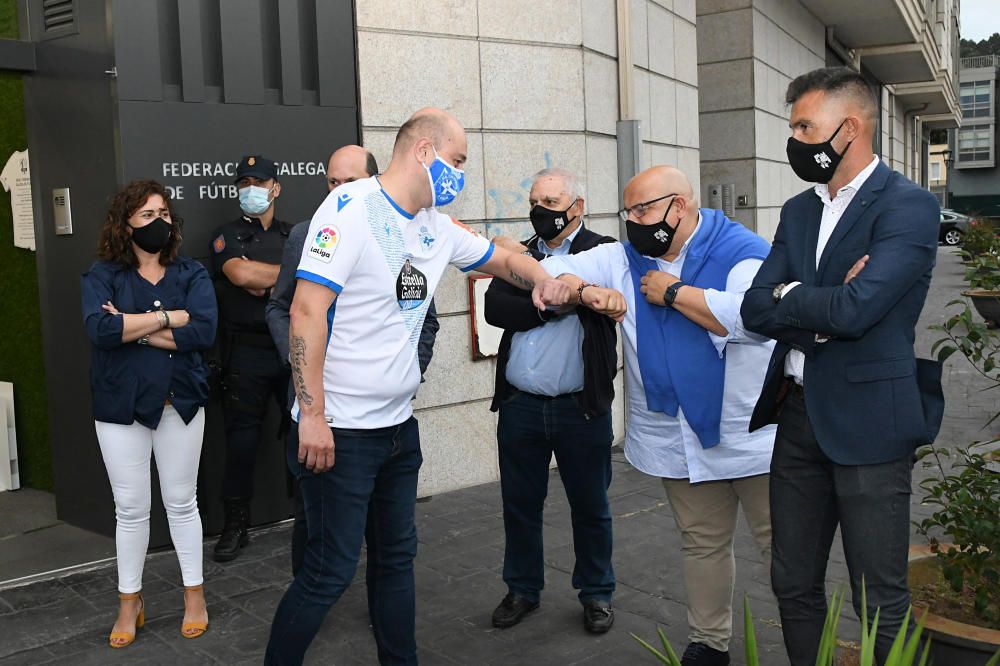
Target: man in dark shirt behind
[(246, 255), (346, 165)]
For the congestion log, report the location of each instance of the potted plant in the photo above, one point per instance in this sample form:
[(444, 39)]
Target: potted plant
[(979, 237), (983, 275), (955, 579)]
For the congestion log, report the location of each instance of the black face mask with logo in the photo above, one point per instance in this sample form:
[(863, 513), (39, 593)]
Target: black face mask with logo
[(652, 240), (549, 223), (815, 162), (153, 237)]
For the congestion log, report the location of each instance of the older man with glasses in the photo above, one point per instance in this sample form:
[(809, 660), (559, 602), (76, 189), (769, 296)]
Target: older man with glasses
[(692, 375)]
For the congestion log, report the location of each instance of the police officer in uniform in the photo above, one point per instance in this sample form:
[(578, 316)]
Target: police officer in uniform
[(246, 257)]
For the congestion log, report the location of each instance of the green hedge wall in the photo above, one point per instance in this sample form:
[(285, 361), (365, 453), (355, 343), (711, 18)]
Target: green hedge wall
[(20, 320)]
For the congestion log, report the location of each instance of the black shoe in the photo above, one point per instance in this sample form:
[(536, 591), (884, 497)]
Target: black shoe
[(512, 610), (234, 533), (598, 616), (699, 654)]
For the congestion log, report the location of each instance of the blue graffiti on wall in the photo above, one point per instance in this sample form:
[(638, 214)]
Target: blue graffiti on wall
[(514, 203)]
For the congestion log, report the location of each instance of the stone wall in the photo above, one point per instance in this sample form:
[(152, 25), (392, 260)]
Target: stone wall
[(748, 52), (536, 85)]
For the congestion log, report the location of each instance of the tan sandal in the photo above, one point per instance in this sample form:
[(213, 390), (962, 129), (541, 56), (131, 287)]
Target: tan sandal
[(194, 629), (125, 638)]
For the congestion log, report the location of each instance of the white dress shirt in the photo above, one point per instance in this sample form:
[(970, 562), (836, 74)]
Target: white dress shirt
[(833, 210), (667, 446)]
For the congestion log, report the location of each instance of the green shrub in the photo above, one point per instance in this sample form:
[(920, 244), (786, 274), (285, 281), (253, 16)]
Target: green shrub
[(902, 652)]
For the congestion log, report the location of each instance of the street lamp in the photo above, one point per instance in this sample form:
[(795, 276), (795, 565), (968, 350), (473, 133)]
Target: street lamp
[(948, 161)]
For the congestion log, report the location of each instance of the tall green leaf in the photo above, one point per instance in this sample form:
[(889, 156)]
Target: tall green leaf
[(750, 638)]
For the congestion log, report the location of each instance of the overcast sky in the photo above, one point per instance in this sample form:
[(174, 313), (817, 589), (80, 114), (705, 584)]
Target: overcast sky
[(979, 18)]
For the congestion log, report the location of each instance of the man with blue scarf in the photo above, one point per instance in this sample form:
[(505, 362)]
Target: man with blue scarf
[(692, 375)]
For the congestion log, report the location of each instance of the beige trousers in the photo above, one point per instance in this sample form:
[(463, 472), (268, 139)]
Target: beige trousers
[(706, 514)]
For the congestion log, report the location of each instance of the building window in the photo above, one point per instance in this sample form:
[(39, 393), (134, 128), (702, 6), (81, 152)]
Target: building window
[(935, 171), (975, 144), (976, 98)]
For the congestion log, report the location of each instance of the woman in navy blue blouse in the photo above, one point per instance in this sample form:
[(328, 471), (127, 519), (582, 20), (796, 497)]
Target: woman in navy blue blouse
[(149, 314)]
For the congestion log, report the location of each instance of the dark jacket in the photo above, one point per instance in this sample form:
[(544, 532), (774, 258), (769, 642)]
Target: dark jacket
[(861, 387), (277, 307), (131, 382), (511, 309)]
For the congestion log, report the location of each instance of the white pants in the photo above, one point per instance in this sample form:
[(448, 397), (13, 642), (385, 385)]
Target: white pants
[(177, 447)]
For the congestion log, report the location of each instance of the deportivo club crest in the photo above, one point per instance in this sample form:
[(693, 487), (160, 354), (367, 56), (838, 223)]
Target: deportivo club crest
[(447, 183), (426, 239), (823, 160)]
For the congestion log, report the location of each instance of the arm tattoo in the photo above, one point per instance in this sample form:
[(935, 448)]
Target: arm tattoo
[(297, 355), (527, 284)]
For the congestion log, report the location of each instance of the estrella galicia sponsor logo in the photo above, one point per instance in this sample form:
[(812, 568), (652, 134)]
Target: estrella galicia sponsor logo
[(411, 287), (324, 244), (342, 201)]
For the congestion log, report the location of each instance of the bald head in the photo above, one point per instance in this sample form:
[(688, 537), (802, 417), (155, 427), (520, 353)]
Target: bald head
[(348, 164), (436, 125), (658, 181)]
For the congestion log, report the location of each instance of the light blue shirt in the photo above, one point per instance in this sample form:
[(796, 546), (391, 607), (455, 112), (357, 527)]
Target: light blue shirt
[(663, 445), (548, 360)]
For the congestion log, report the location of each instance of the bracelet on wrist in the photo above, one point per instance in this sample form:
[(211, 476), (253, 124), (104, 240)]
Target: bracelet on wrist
[(579, 290), (166, 319)]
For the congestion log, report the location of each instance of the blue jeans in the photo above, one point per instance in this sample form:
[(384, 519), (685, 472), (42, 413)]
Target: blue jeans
[(300, 533), (810, 496), (530, 430), (368, 494)]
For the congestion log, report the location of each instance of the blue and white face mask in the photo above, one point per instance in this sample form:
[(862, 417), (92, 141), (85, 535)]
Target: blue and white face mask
[(446, 181), (254, 200)]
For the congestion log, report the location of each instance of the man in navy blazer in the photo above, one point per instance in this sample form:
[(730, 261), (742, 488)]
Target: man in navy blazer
[(841, 292)]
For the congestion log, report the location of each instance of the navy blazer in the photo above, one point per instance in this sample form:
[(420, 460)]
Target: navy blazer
[(861, 386), (131, 382)]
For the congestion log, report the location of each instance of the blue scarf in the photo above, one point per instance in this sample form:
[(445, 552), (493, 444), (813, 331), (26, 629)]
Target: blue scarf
[(679, 365)]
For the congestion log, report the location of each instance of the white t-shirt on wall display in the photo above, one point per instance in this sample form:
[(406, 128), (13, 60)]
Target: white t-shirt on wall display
[(16, 179), (384, 265)]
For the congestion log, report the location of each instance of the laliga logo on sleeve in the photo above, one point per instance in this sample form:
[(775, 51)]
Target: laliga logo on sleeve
[(324, 244)]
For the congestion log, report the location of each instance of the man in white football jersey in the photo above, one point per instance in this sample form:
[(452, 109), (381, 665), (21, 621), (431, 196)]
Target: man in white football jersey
[(374, 254)]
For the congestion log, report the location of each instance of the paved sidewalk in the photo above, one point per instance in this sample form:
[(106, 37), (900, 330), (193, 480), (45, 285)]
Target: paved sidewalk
[(458, 578)]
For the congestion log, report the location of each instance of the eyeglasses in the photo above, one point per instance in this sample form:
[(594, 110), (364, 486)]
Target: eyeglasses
[(639, 209)]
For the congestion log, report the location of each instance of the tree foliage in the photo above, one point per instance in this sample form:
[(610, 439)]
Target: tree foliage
[(984, 47)]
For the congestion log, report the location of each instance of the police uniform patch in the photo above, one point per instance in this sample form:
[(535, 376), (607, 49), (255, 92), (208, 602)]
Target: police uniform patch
[(219, 244), (324, 244)]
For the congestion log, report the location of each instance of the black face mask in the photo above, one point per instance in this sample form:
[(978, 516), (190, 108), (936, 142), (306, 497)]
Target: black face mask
[(153, 237), (815, 162), (549, 223), (652, 240)]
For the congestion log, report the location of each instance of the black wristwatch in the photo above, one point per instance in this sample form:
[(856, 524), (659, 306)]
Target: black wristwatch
[(671, 293)]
